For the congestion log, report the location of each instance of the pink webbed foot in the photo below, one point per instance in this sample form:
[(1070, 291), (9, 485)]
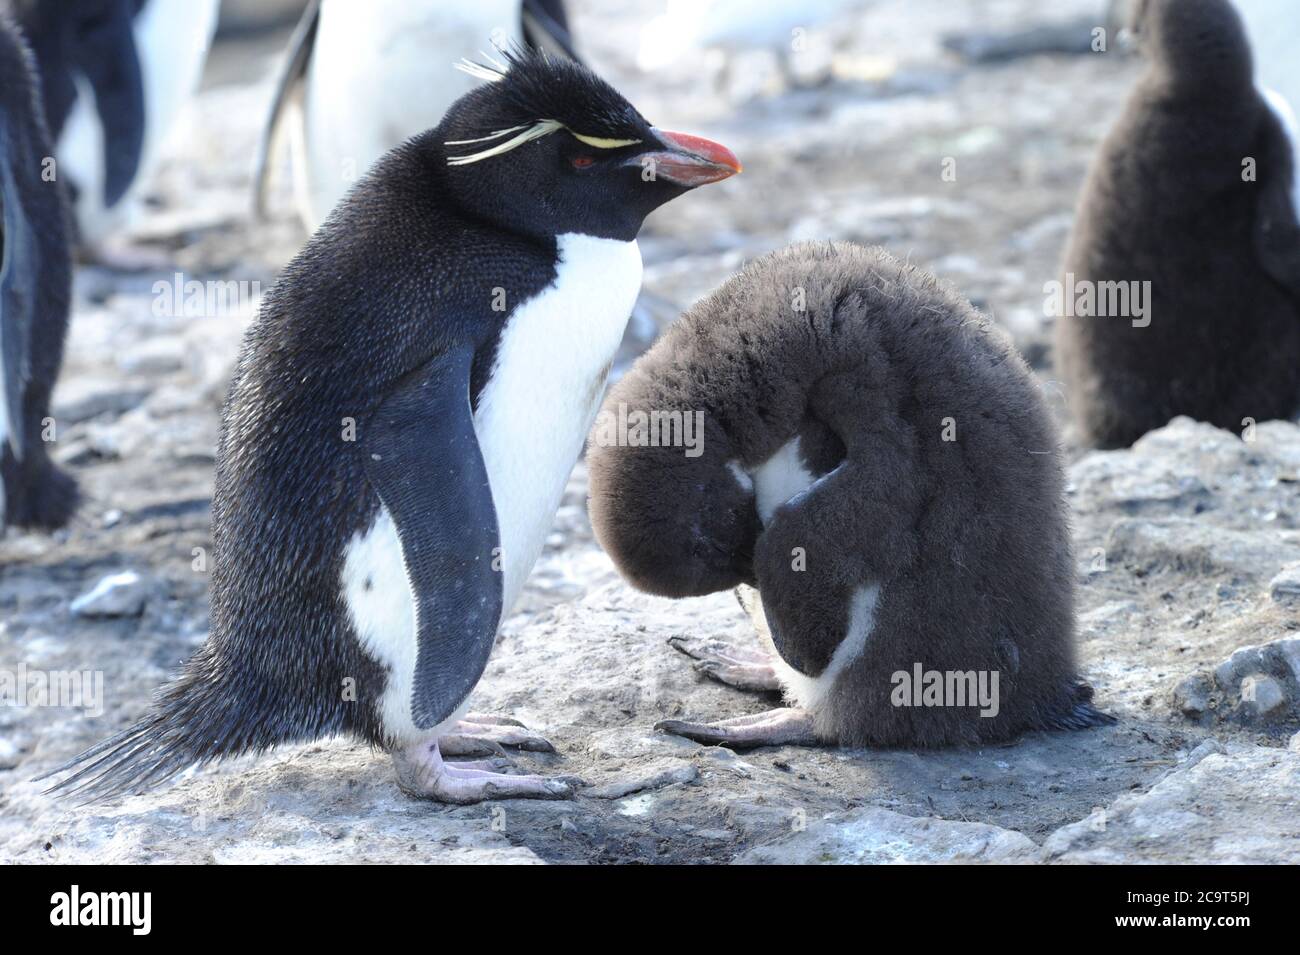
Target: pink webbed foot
[(422, 772), (788, 726), (484, 734), (744, 668)]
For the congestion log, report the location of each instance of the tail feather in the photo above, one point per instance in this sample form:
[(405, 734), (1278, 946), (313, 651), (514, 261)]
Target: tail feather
[(1078, 712), (143, 756), (194, 721), (80, 760)]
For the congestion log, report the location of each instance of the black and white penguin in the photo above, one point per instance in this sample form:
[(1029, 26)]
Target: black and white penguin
[(35, 285), (361, 78), (1188, 209), (114, 75), (880, 476), (401, 424)]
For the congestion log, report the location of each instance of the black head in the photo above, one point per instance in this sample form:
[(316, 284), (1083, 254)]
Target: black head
[(674, 525), (546, 147), (1196, 43)]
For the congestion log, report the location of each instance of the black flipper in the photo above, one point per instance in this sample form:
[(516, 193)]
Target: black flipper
[(295, 68), (105, 51), (19, 271), (546, 28), (423, 459), (808, 613)]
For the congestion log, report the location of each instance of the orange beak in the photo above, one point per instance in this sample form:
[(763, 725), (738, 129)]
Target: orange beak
[(690, 161)]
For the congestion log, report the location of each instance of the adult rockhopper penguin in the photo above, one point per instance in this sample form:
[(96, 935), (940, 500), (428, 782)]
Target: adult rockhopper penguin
[(456, 315), (1189, 205)]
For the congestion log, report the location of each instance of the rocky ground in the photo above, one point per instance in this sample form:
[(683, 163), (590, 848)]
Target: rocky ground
[(1188, 544)]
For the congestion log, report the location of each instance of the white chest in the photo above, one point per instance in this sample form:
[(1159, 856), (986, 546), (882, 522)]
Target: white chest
[(546, 387), (532, 418)]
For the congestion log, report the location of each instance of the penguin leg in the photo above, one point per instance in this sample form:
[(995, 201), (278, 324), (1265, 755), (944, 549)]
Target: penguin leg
[(745, 668), (479, 734), (787, 726), (422, 772)]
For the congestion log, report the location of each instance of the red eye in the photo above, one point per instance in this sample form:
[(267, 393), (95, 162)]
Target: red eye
[(582, 162)]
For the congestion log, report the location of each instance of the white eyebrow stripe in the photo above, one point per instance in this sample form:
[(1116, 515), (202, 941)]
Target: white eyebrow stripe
[(482, 139), (536, 131), (527, 133), (601, 143)]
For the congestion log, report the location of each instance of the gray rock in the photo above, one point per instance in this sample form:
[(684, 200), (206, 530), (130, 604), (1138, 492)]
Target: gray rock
[(1256, 683), (77, 402), (1192, 695), (1240, 807), (1188, 546), (1281, 657), (334, 803), (1285, 587), (640, 743), (122, 594), (1191, 469), (1205, 748), (154, 356), (874, 836), (1261, 694)]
